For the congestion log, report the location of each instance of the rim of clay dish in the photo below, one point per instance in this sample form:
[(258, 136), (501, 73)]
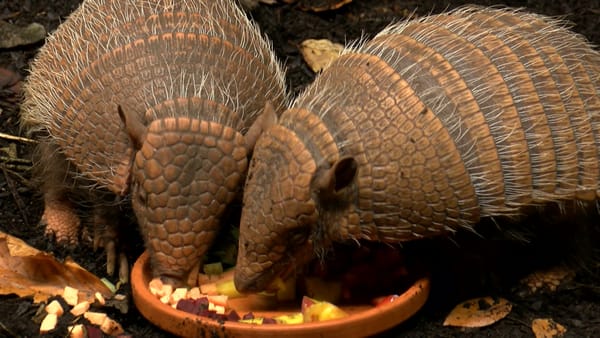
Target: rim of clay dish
[(361, 321)]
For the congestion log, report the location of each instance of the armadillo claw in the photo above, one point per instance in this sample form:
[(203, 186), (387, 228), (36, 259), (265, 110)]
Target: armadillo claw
[(100, 240), (61, 222)]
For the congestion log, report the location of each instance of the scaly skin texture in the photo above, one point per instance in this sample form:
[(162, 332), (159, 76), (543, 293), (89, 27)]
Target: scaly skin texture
[(422, 131), (153, 100)]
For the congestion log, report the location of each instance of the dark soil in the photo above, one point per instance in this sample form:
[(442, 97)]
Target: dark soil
[(463, 267)]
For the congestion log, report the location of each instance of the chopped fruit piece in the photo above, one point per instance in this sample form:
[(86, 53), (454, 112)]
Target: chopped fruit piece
[(218, 300), (233, 316), (177, 295), (285, 289), (76, 331), (294, 318), (111, 327), (193, 293), (98, 296), (257, 320), (156, 286), (224, 287), (95, 318), (220, 309), (55, 307), (49, 323), (320, 311), (70, 295), (120, 296), (80, 308), (379, 301)]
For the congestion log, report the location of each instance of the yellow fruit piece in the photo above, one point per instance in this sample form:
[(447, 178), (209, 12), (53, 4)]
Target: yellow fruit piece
[(294, 318), (257, 320), (322, 311)]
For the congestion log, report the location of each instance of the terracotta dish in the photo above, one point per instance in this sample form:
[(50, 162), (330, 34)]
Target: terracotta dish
[(363, 320)]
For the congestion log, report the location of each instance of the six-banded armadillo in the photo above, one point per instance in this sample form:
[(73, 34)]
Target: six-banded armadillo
[(161, 100), (425, 129)]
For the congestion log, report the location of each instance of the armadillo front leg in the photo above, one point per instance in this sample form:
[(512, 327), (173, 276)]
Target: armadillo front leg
[(59, 217), (106, 225)]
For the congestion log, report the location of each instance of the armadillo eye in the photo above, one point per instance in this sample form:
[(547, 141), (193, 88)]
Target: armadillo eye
[(297, 236)]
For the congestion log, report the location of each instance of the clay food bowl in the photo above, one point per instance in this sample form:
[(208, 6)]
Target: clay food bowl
[(362, 320)]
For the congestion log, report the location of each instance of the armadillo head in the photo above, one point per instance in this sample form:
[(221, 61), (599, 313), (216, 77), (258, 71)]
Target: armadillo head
[(281, 228), (183, 175)]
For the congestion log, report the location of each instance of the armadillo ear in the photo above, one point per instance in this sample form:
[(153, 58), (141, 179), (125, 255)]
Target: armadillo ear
[(134, 127), (262, 123), (339, 176)]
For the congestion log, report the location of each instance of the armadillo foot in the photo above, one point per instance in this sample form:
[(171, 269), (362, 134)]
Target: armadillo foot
[(61, 221), (105, 236), (545, 281), (114, 258)]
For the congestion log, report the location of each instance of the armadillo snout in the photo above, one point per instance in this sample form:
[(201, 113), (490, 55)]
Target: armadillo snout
[(184, 175)]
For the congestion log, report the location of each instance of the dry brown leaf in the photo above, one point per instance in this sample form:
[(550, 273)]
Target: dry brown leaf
[(318, 54), (26, 271), (547, 328), (478, 312)]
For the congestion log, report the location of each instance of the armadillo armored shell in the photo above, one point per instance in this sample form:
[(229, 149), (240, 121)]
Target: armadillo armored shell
[(195, 74), (426, 128)]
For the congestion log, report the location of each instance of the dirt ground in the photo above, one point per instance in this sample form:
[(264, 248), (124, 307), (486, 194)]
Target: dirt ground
[(462, 267)]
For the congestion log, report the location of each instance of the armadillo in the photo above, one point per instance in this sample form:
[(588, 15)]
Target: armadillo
[(431, 126), (159, 101)]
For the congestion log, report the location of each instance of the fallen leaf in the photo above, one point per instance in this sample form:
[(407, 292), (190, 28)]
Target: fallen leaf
[(12, 35), (547, 328), (26, 271), (478, 312), (318, 54), (546, 281)]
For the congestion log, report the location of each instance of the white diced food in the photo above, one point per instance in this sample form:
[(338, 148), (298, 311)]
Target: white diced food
[(55, 307), (178, 295), (49, 323), (76, 331), (70, 295), (99, 298), (80, 308), (95, 318)]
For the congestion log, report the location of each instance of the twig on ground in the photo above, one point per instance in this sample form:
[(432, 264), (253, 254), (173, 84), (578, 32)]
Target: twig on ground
[(17, 138)]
